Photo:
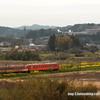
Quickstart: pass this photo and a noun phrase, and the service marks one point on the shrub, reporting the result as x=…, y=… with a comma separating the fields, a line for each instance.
x=24, y=55
x=45, y=89
x=79, y=55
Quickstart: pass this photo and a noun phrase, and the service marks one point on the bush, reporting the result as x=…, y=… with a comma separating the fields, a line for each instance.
x=75, y=50
x=45, y=89
x=24, y=55
x=93, y=49
x=79, y=55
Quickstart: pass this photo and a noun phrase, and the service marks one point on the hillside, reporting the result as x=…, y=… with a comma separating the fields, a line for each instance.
x=79, y=27
x=18, y=32
x=10, y=32
x=37, y=34
x=41, y=35
x=92, y=39
x=11, y=40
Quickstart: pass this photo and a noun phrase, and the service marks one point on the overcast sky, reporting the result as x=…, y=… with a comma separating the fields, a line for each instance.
x=15, y=13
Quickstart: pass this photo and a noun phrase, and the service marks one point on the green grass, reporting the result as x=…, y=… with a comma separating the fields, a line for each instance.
x=10, y=75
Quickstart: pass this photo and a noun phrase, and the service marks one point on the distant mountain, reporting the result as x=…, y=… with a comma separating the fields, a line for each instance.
x=19, y=32
x=36, y=27
x=10, y=32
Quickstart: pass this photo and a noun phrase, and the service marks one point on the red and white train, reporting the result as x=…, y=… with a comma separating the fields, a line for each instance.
x=29, y=67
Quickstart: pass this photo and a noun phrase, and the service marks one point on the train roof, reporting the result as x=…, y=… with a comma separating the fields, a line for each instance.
x=42, y=63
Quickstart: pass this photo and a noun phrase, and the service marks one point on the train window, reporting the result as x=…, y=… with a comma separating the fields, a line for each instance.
x=33, y=66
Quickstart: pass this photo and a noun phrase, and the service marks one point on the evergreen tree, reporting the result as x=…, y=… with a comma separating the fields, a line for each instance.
x=52, y=42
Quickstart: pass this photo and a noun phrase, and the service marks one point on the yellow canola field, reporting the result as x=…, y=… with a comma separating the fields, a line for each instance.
x=81, y=65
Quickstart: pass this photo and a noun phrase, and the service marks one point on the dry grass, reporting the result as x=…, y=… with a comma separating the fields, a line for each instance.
x=45, y=89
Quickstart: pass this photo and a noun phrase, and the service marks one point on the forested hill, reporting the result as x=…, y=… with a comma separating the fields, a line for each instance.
x=11, y=40
x=79, y=27
x=93, y=39
x=40, y=33
x=6, y=31
x=34, y=34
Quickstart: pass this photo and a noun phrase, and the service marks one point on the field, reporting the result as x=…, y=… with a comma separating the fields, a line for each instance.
x=83, y=73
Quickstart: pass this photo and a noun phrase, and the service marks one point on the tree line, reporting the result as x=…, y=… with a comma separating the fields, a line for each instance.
x=34, y=34
x=62, y=43
x=24, y=55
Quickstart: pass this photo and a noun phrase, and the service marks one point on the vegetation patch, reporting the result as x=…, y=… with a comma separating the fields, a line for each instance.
x=45, y=89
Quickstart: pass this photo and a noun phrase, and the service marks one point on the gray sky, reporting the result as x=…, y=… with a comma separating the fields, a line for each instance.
x=15, y=13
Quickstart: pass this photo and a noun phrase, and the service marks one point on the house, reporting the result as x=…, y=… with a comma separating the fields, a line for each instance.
x=5, y=44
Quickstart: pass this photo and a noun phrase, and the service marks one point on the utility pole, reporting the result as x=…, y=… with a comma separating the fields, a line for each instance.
x=24, y=40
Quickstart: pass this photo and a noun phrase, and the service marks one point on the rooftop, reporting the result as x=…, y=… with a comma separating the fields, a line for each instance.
x=41, y=63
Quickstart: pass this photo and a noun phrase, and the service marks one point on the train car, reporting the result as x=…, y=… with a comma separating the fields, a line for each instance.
x=13, y=68
x=29, y=67
x=43, y=66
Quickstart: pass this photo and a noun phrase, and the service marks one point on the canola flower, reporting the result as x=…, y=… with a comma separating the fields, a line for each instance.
x=82, y=65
